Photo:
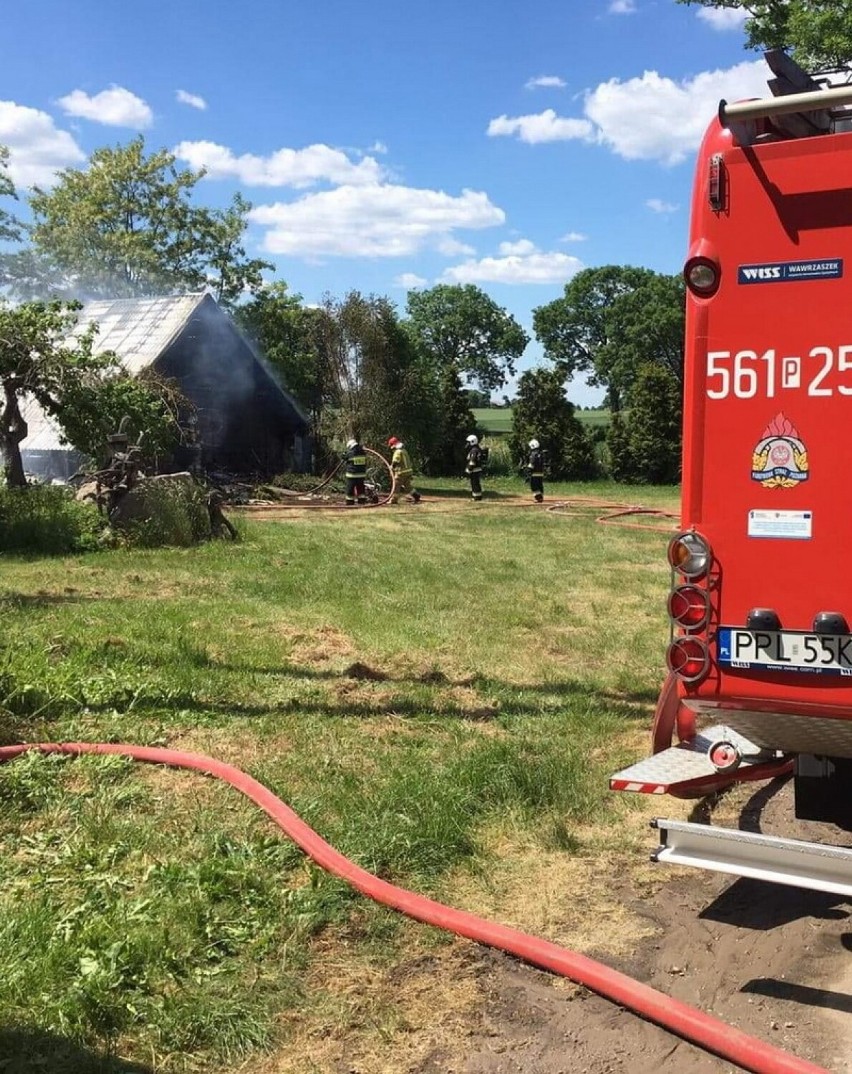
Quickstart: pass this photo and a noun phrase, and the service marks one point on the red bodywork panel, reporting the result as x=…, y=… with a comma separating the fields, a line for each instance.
x=768, y=401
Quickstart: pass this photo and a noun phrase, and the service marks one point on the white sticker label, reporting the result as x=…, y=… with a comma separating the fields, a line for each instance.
x=790, y=524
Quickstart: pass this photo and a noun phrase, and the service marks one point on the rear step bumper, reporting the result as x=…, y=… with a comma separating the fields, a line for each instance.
x=762, y=857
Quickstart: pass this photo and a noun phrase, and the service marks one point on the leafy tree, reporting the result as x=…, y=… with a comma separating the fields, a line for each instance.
x=378, y=382
x=126, y=226
x=608, y=320
x=288, y=335
x=462, y=328
x=154, y=407
x=654, y=427
x=453, y=423
x=618, y=447
x=10, y=229
x=819, y=32
x=478, y=399
x=542, y=411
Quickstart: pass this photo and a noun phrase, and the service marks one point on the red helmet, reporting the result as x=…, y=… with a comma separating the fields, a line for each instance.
x=392, y=442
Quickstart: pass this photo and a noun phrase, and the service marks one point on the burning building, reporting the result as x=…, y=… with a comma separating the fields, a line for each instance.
x=246, y=420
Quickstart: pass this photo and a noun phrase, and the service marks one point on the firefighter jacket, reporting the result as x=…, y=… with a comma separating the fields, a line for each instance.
x=401, y=462
x=536, y=463
x=474, y=460
x=356, y=463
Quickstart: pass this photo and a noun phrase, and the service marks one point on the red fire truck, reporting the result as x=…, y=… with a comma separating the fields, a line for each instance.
x=760, y=656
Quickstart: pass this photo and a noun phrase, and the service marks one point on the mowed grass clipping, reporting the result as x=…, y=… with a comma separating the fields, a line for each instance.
x=429, y=687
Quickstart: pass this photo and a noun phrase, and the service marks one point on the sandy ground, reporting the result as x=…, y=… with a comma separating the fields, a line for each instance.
x=774, y=961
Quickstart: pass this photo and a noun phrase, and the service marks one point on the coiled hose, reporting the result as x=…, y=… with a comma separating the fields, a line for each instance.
x=688, y=1022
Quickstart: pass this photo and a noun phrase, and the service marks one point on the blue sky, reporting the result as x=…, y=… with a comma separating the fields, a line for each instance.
x=390, y=145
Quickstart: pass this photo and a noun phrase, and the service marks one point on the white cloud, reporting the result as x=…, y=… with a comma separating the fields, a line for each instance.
x=451, y=247
x=546, y=82
x=114, y=107
x=647, y=118
x=374, y=220
x=574, y=236
x=521, y=248
x=37, y=149
x=723, y=18
x=286, y=167
x=657, y=205
x=544, y=127
x=622, y=7
x=192, y=99
x=533, y=267
x=409, y=280
x=378, y=147
x=656, y=118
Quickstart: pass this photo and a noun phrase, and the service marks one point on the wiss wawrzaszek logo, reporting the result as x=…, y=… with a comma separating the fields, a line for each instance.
x=780, y=459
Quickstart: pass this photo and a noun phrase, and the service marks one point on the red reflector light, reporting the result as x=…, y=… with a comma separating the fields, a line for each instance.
x=702, y=276
x=689, y=607
x=688, y=658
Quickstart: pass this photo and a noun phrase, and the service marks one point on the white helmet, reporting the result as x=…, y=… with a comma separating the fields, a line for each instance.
x=472, y=439
x=351, y=443
x=534, y=444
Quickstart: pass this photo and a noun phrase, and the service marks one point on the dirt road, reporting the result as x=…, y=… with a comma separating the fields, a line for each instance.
x=773, y=961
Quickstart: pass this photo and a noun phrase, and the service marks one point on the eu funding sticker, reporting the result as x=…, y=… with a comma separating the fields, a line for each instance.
x=787, y=271
x=794, y=525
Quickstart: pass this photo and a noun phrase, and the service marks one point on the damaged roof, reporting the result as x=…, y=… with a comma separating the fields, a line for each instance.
x=138, y=330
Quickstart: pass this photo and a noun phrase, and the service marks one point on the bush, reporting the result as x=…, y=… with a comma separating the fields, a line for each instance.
x=164, y=511
x=500, y=462
x=47, y=520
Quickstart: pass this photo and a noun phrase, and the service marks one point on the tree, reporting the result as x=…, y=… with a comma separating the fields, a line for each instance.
x=378, y=381
x=620, y=465
x=126, y=226
x=10, y=228
x=287, y=335
x=819, y=32
x=40, y=358
x=608, y=320
x=654, y=427
x=542, y=411
x=462, y=328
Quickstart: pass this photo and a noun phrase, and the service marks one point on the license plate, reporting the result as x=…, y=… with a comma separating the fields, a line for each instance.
x=786, y=650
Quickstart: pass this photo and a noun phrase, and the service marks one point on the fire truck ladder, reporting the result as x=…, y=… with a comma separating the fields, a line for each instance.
x=763, y=857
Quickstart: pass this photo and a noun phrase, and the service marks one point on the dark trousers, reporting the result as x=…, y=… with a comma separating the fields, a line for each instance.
x=355, y=488
x=476, y=485
x=537, y=487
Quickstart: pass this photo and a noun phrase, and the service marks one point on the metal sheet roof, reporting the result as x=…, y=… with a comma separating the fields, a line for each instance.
x=137, y=329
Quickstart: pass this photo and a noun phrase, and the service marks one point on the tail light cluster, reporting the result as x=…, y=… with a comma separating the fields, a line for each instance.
x=691, y=558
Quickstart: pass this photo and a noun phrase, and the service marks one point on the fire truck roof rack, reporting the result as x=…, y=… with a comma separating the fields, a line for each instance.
x=790, y=104
x=815, y=866
x=801, y=106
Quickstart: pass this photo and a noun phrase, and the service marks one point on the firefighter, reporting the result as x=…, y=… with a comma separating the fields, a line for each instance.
x=535, y=469
x=356, y=473
x=403, y=472
x=473, y=467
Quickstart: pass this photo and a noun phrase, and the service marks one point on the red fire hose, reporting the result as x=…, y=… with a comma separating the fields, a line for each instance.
x=687, y=1022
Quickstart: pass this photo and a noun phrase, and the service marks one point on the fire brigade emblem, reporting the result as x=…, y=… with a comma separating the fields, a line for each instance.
x=780, y=459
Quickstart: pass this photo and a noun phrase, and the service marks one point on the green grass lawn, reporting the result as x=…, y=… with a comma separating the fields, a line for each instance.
x=441, y=691
x=497, y=421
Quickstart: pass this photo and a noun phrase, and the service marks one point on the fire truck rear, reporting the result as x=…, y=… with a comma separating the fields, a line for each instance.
x=760, y=656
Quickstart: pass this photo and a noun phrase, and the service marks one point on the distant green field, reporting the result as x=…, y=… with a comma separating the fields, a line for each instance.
x=498, y=420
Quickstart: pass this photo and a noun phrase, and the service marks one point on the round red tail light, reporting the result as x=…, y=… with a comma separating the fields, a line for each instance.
x=688, y=658
x=702, y=276
x=689, y=607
